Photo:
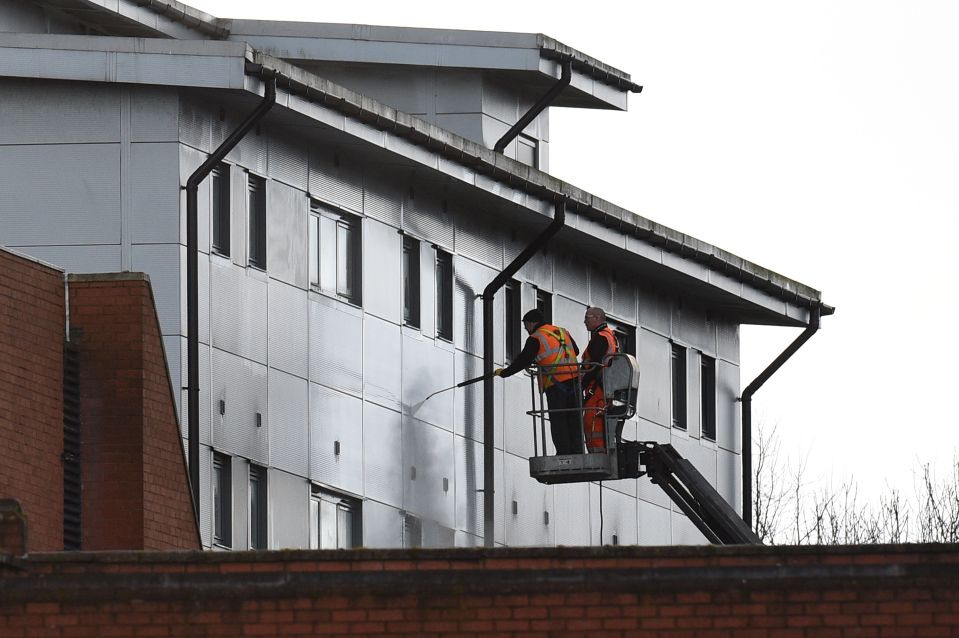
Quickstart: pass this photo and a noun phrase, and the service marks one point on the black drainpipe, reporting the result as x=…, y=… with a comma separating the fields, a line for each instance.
x=537, y=108
x=747, y=399
x=559, y=218
x=192, y=306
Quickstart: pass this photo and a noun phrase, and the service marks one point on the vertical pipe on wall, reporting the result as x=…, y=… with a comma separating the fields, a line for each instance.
x=747, y=399
x=192, y=284
x=559, y=218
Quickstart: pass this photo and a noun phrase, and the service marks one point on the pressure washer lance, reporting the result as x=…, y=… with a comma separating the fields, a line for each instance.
x=461, y=384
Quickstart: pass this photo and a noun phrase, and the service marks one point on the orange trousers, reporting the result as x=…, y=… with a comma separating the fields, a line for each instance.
x=594, y=421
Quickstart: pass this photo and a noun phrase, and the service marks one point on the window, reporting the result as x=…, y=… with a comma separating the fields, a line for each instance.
x=444, y=295
x=707, y=390
x=221, y=209
x=625, y=336
x=527, y=150
x=514, y=341
x=411, y=282
x=335, y=520
x=679, y=386
x=258, y=507
x=335, y=252
x=222, y=500
x=544, y=303
x=257, y=189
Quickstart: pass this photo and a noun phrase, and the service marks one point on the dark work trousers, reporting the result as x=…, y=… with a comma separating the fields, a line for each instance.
x=566, y=427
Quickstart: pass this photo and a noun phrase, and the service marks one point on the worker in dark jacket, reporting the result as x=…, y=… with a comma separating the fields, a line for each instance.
x=553, y=349
x=602, y=342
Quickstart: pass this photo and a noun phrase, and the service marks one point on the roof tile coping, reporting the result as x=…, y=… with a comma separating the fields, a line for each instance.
x=530, y=179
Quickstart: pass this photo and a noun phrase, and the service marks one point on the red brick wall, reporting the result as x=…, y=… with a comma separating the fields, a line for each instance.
x=135, y=488
x=31, y=394
x=681, y=592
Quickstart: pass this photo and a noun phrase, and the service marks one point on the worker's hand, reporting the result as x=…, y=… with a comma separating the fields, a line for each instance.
x=498, y=372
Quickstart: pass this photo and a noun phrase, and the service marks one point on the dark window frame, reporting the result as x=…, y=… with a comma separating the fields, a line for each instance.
x=222, y=486
x=347, y=509
x=411, y=281
x=444, y=295
x=625, y=335
x=544, y=303
x=259, y=504
x=707, y=387
x=512, y=302
x=341, y=273
x=678, y=388
x=256, y=188
x=220, y=209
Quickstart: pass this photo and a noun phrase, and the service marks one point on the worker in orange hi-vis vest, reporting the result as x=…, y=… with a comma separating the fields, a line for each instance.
x=602, y=342
x=554, y=348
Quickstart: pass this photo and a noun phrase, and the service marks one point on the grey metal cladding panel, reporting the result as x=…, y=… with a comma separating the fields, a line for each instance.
x=624, y=298
x=381, y=270
x=383, y=199
x=728, y=410
x=340, y=185
x=382, y=526
x=382, y=374
x=690, y=325
x=727, y=341
x=190, y=160
x=529, y=526
x=288, y=319
x=154, y=114
x=182, y=394
x=289, y=511
x=693, y=398
x=239, y=311
x=437, y=536
x=653, y=524
x=195, y=125
x=429, y=450
x=336, y=346
x=289, y=162
x=462, y=539
x=155, y=215
x=58, y=113
x=88, y=259
x=469, y=280
x=653, y=353
x=286, y=234
x=684, y=532
x=569, y=314
x=600, y=288
x=426, y=369
x=252, y=152
x=288, y=423
x=469, y=401
x=570, y=275
x=162, y=263
x=424, y=216
x=479, y=238
x=538, y=270
x=206, y=495
x=336, y=417
x=469, y=482
x=518, y=426
x=59, y=191
x=427, y=291
x=240, y=476
x=655, y=311
x=384, y=470
x=702, y=456
x=571, y=513
x=239, y=214
x=729, y=476
x=242, y=385
x=618, y=514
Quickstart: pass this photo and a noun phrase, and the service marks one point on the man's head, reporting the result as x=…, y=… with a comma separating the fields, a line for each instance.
x=532, y=319
x=594, y=318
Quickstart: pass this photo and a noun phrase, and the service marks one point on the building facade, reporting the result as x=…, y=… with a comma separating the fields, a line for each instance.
x=344, y=245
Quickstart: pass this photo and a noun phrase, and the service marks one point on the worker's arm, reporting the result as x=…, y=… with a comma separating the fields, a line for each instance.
x=596, y=350
x=525, y=358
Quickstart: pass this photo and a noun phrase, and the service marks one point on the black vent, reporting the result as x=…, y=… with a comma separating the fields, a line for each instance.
x=71, y=448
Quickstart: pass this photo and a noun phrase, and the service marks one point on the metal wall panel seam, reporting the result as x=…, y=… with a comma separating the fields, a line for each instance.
x=126, y=214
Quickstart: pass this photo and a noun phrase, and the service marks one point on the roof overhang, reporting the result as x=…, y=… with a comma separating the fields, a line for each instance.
x=744, y=291
x=536, y=58
x=139, y=18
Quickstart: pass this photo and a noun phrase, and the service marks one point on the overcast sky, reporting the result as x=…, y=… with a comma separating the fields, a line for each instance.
x=819, y=139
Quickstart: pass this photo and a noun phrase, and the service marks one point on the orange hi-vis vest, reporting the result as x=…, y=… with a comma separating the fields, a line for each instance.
x=611, y=346
x=555, y=351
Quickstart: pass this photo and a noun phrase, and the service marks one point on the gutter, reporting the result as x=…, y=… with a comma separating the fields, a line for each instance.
x=192, y=273
x=747, y=400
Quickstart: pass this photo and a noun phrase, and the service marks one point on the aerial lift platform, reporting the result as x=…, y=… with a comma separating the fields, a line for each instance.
x=676, y=476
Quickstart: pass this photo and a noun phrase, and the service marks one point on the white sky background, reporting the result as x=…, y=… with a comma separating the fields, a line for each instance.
x=819, y=139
